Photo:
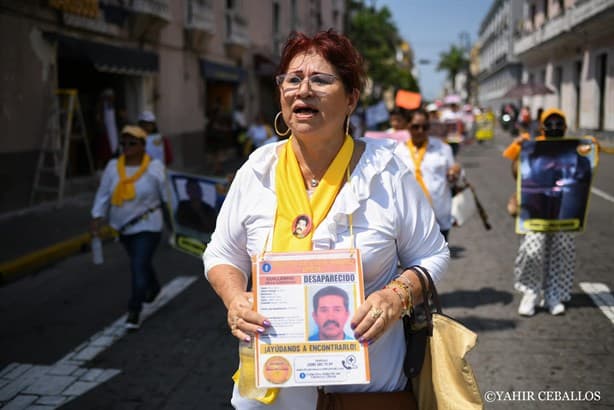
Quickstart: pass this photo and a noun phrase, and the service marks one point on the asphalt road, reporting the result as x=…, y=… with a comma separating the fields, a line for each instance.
x=183, y=356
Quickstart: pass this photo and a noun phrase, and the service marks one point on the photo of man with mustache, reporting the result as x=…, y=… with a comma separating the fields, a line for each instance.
x=330, y=313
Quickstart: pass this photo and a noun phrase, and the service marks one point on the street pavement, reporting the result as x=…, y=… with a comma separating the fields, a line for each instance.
x=183, y=356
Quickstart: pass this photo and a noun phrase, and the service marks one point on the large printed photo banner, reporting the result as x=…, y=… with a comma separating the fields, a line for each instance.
x=195, y=202
x=554, y=183
x=310, y=298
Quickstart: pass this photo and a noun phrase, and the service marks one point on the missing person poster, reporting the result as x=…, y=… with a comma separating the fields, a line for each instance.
x=195, y=202
x=554, y=183
x=309, y=298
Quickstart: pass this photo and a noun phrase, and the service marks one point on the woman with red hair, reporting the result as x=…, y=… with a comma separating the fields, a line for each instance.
x=354, y=193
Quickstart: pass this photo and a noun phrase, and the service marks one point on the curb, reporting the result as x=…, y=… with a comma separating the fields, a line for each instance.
x=28, y=263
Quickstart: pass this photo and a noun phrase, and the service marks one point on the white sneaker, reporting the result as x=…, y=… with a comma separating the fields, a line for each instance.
x=557, y=309
x=527, y=304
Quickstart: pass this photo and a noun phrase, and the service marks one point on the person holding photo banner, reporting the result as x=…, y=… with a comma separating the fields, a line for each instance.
x=545, y=263
x=354, y=193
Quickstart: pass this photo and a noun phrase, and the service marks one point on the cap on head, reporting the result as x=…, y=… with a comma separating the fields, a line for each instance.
x=147, y=116
x=431, y=107
x=552, y=111
x=134, y=131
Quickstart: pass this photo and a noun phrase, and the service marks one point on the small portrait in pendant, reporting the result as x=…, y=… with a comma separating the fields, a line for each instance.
x=301, y=226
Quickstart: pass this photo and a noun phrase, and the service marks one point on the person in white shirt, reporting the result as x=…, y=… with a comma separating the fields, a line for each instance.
x=260, y=133
x=373, y=203
x=157, y=147
x=433, y=165
x=132, y=195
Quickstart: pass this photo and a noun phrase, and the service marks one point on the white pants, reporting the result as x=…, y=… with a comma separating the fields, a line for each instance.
x=546, y=262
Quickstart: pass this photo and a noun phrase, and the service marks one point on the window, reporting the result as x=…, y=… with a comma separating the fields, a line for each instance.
x=578, y=87
x=230, y=4
x=275, y=18
x=561, y=7
x=602, y=69
x=546, y=13
x=558, y=81
x=532, y=14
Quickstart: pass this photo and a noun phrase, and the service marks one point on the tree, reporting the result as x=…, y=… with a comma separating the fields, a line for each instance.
x=453, y=61
x=376, y=37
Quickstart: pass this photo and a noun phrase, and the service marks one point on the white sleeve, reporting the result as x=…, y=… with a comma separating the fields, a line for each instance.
x=419, y=240
x=104, y=192
x=228, y=245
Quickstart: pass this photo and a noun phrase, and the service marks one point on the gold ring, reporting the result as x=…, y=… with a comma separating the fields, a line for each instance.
x=376, y=313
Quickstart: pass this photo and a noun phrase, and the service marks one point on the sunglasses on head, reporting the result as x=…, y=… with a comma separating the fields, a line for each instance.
x=416, y=127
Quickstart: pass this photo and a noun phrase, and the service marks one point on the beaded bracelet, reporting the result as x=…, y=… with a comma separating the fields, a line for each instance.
x=396, y=286
x=410, y=288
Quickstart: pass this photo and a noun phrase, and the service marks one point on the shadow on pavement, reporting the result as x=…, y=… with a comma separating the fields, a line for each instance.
x=482, y=324
x=456, y=252
x=474, y=298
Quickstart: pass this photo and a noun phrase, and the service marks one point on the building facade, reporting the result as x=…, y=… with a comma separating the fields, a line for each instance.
x=191, y=62
x=569, y=46
x=499, y=69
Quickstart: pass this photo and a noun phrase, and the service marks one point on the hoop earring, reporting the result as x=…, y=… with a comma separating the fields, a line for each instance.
x=277, y=130
x=347, y=125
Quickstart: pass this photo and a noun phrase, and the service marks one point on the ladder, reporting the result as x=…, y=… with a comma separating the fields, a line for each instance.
x=65, y=124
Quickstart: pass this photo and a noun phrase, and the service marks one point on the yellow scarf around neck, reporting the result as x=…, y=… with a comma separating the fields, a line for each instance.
x=292, y=200
x=125, y=189
x=417, y=156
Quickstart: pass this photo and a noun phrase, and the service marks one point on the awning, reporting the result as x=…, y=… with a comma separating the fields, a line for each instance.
x=108, y=58
x=221, y=72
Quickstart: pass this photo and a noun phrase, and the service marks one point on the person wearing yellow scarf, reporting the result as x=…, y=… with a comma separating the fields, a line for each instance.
x=293, y=187
x=133, y=205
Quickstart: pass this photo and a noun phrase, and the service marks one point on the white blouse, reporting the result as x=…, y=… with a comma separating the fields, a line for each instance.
x=393, y=225
x=435, y=164
x=150, y=190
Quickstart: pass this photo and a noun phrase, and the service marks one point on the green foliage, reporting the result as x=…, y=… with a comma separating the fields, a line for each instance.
x=376, y=36
x=453, y=61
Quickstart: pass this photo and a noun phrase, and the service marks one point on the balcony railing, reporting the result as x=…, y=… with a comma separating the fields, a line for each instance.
x=236, y=31
x=158, y=8
x=199, y=16
x=581, y=12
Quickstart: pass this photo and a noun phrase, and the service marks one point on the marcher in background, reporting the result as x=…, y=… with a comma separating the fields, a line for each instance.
x=455, y=128
x=343, y=185
x=259, y=133
x=107, y=122
x=544, y=266
x=436, y=127
x=524, y=119
x=433, y=165
x=131, y=193
x=398, y=120
x=157, y=147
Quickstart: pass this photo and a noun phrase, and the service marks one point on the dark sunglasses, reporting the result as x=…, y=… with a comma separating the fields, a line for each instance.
x=129, y=143
x=554, y=124
x=416, y=127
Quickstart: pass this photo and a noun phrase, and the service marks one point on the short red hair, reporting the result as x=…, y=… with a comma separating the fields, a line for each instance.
x=336, y=48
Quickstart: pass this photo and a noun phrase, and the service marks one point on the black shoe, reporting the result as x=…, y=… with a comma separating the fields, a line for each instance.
x=132, y=322
x=151, y=295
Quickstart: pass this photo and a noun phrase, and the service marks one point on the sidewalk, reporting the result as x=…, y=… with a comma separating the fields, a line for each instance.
x=40, y=235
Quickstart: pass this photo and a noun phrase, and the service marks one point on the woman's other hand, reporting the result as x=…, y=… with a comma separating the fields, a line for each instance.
x=242, y=319
x=380, y=310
